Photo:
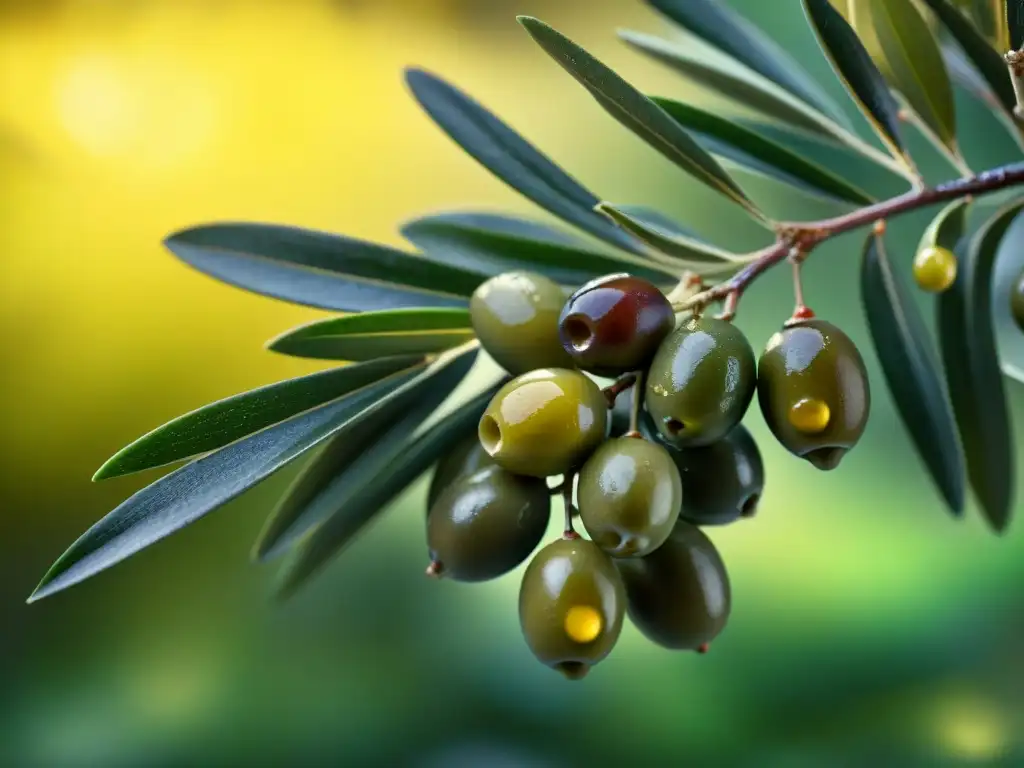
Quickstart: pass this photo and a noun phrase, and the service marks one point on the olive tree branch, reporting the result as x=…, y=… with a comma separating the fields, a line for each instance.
x=803, y=237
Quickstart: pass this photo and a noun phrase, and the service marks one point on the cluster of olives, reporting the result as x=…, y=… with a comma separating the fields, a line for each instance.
x=648, y=459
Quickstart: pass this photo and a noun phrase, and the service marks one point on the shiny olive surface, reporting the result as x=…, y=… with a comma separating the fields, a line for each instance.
x=515, y=316
x=722, y=482
x=465, y=459
x=678, y=596
x=614, y=324
x=934, y=269
x=486, y=524
x=571, y=606
x=544, y=423
x=1017, y=302
x=629, y=496
x=813, y=391
x=701, y=382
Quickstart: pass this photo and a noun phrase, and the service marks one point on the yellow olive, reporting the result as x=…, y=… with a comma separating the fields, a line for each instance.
x=934, y=269
x=543, y=423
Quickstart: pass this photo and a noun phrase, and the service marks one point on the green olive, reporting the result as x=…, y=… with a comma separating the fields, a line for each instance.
x=486, y=524
x=701, y=382
x=813, y=390
x=679, y=595
x=1017, y=302
x=629, y=496
x=464, y=459
x=545, y=422
x=722, y=482
x=571, y=606
x=515, y=317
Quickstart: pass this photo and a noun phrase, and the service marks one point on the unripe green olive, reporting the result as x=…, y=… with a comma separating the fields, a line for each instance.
x=934, y=269
x=545, y=422
x=515, y=317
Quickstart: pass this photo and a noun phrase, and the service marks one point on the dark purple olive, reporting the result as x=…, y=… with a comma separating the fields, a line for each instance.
x=614, y=324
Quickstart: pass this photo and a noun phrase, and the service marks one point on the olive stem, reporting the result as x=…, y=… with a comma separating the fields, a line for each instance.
x=805, y=236
x=623, y=383
x=636, y=405
x=798, y=286
x=570, y=532
x=1015, y=65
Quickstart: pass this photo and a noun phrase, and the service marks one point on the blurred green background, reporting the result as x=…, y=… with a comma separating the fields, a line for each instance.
x=867, y=625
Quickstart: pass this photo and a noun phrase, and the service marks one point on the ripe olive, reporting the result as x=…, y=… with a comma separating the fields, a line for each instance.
x=614, y=324
x=515, y=317
x=571, y=606
x=679, y=595
x=464, y=459
x=629, y=496
x=486, y=524
x=934, y=269
x=722, y=482
x=813, y=390
x=545, y=422
x=701, y=382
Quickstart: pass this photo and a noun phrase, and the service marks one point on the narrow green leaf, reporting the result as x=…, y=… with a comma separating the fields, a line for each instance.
x=973, y=372
x=732, y=34
x=371, y=335
x=1014, y=12
x=320, y=270
x=510, y=157
x=748, y=148
x=1008, y=270
x=665, y=240
x=947, y=228
x=492, y=244
x=909, y=56
x=987, y=60
x=737, y=83
x=636, y=112
x=348, y=486
x=912, y=372
x=859, y=74
x=218, y=424
x=189, y=493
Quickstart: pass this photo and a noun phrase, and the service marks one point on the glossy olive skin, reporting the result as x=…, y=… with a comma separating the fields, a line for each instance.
x=568, y=574
x=465, y=459
x=619, y=415
x=515, y=316
x=813, y=361
x=1017, y=302
x=678, y=596
x=722, y=482
x=615, y=324
x=544, y=423
x=701, y=382
x=486, y=524
x=629, y=496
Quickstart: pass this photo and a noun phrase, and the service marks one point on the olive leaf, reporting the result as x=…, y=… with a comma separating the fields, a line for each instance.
x=492, y=244
x=680, y=246
x=912, y=372
x=636, y=112
x=746, y=147
x=973, y=372
x=737, y=83
x=371, y=335
x=191, y=492
x=732, y=34
x=1009, y=269
x=344, y=506
x=858, y=73
x=225, y=421
x=1013, y=11
x=318, y=269
x=908, y=54
x=987, y=60
x=510, y=157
